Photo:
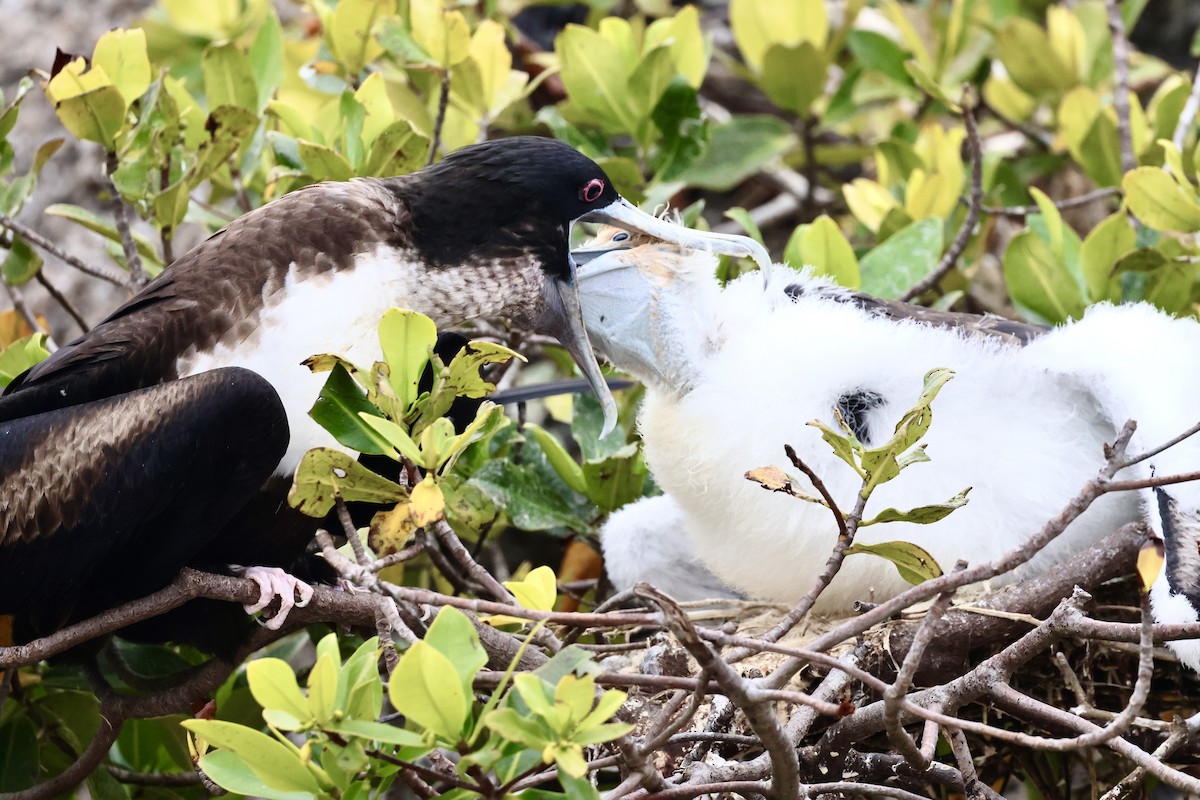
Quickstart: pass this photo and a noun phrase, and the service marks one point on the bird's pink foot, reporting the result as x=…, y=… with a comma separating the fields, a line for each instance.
x=274, y=582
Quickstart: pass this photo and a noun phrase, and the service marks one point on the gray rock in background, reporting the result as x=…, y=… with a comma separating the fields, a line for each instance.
x=32, y=30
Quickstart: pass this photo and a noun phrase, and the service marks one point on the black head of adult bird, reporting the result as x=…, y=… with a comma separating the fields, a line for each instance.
x=166, y=435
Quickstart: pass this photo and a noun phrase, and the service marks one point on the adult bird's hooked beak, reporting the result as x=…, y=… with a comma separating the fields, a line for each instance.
x=565, y=318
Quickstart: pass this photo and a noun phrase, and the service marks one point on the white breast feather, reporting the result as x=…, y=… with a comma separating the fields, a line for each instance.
x=337, y=313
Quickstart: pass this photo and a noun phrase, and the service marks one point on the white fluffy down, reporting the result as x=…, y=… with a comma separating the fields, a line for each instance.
x=646, y=541
x=1024, y=428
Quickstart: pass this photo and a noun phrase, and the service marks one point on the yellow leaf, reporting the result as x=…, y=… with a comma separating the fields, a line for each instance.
x=490, y=53
x=1150, y=563
x=758, y=24
x=122, y=55
x=921, y=198
x=75, y=79
x=391, y=530
x=373, y=96
x=350, y=38
x=443, y=35
x=689, y=48
x=869, y=202
x=1067, y=39
x=537, y=591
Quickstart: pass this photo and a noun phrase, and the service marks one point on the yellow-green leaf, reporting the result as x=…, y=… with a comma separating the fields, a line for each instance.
x=426, y=688
x=1031, y=62
x=1160, y=202
x=407, y=338
x=596, y=78
x=278, y=765
x=443, y=35
x=822, y=246
x=689, y=48
x=1105, y=243
x=914, y=563
x=323, y=474
x=122, y=55
x=350, y=38
x=274, y=686
x=228, y=78
x=1040, y=281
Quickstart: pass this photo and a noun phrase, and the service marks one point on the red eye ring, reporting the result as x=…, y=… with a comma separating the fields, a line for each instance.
x=591, y=190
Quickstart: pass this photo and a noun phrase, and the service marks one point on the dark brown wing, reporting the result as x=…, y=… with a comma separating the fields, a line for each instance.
x=215, y=287
x=103, y=502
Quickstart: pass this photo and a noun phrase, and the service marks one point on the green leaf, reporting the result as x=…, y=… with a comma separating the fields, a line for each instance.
x=20, y=356
x=921, y=515
x=360, y=690
x=228, y=77
x=276, y=764
x=844, y=445
x=682, y=34
x=1040, y=282
x=407, y=338
x=874, y=51
x=564, y=464
x=930, y=86
x=531, y=493
x=907, y=256
x=1104, y=245
x=377, y=732
x=274, y=686
x=596, y=77
x=914, y=564
x=646, y=86
x=18, y=753
x=509, y=724
x=453, y=635
x=324, y=473
x=682, y=127
x=822, y=246
x=266, y=59
x=1031, y=62
x=1159, y=201
x=884, y=463
x=426, y=688
x=96, y=115
x=322, y=689
x=781, y=65
x=230, y=772
x=21, y=263
x=324, y=163
x=737, y=149
x=337, y=410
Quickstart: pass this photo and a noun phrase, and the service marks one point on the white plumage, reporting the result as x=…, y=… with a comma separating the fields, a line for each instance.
x=735, y=373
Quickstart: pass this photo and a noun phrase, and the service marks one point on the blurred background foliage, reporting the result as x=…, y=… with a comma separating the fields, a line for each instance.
x=832, y=131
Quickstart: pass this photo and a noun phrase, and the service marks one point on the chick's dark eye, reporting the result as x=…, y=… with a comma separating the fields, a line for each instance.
x=591, y=190
x=620, y=237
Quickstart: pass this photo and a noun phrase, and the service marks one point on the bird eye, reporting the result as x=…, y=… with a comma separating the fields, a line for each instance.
x=591, y=190
x=620, y=237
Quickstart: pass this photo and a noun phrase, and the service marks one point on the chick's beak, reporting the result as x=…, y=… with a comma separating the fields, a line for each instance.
x=562, y=318
x=625, y=215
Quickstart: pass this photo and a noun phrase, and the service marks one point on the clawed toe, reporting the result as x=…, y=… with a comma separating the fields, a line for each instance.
x=274, y=582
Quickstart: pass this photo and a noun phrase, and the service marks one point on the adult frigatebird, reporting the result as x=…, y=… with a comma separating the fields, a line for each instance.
x=734, y=373
x=166, y=436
